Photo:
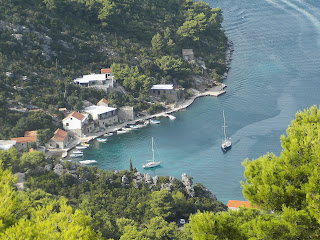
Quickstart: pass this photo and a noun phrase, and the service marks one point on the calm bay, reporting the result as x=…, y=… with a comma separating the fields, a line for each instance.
x=274, y=73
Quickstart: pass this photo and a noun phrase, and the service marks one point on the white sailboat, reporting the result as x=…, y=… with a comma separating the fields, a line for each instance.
x=151, y=163
x=226, y=143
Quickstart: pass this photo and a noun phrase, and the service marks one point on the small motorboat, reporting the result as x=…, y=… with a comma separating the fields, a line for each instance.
x=76, y=154
x=108, y=134
x=134, y=127
x=81, y=147
x=85, y=144
x=171, y=117
x=154, y=121
x=87, y=161
x=101, y=139
x=121, y=131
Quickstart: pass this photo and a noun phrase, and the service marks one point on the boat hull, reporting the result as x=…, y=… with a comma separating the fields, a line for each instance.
x=151, y=164
x=226, y=147
x=88, y=161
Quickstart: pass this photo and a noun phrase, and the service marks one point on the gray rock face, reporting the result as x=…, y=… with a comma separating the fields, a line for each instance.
x=148, y=178
x=58, y=169
x=124, y=181
x=48, y=167
x=155, y=180
x=171, y=179
x=166, y=186
x=187, y=181
x=139, y=177
x=190, y=191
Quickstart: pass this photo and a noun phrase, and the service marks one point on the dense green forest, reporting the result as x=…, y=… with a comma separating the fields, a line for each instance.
x=90, y=203
x=45, y=44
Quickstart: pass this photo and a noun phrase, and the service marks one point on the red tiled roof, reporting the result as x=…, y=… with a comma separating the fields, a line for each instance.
x=30, y=133
x=25, y=139
x=76, y=115
x=237, y=204
x=59, y=135
x=103, y=100
x=106, y=70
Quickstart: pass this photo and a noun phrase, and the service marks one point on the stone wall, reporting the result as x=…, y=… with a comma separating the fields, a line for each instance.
x=125, y=114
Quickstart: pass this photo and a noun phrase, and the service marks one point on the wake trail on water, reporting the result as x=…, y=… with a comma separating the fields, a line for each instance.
x=306, y=13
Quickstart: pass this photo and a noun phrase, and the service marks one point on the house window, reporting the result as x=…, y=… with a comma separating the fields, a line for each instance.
x=70, y=118
x=154, y=91
x=164, y=91
x=67, y=124
x=159, y=92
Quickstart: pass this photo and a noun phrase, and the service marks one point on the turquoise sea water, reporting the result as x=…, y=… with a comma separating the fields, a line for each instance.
x=274, y=73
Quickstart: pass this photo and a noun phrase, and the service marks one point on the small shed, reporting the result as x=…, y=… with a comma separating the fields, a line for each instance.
x=187, y=54
x=166, y=91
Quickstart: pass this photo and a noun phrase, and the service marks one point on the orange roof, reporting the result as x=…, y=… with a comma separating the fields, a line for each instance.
x=76, y=115
x=106, y=70
x=30, y=133
x=103, y=100
x=237, y=204
x=59, y=135
x=25, y=139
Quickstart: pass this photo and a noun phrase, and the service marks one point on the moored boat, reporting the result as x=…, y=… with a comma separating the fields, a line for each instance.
x=76, y=154
x=154, y=121
x=226, y=143
x=81, y=147
x=101, y=139
x=171, y=117
x=87, y=161
x=121, y=131
x=152, y=163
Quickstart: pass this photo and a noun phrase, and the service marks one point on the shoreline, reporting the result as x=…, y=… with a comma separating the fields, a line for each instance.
x=214, y=91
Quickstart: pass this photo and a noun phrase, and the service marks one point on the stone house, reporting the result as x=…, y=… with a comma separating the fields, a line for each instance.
x=166, y=92
x=103, y=102
x=60, y=139
x=23, y=143
x=78, y=123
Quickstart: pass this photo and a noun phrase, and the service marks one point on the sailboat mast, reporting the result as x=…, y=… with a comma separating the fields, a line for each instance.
x=152, y=151
x=224, y=127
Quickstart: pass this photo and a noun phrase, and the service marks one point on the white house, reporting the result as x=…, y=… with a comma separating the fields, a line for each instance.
x=7, y=144
x=77, y=123
x=103, y=80
x=102, y=115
